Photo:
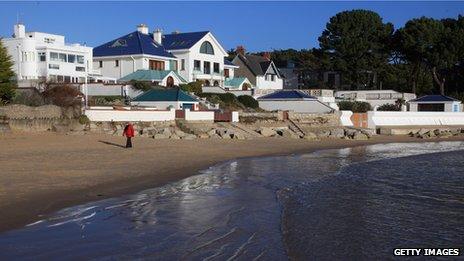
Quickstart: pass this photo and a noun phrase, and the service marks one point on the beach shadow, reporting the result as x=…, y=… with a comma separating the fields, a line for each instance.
x=111, y=143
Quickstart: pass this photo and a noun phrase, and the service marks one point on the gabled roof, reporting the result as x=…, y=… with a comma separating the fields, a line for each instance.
x=234, y=82
x=149, y=75
x=434, y=98
x=164, y=95
x=287, y=95
x=229, y=63
x=131, y=44
x=179, y=41
x=258, y=65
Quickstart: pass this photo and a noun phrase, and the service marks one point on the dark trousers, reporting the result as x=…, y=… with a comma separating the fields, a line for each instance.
x=129, y=142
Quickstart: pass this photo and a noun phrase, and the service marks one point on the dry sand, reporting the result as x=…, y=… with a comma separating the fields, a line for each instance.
x=41, y=173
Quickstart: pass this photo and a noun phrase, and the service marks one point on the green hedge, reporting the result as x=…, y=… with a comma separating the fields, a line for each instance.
x=355, y=106
x=389, y=107
x=248, y=101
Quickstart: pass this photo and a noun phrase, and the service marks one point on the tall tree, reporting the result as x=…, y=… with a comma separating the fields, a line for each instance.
x=357, y=42
x=7, y=82
x=432, y=44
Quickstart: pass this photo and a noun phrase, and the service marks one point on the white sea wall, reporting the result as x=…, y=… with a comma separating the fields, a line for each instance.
x=396, y=118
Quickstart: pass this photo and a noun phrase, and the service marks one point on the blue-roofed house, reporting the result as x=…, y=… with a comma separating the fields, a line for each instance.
x=165, y=99
x=201, y=57
x=435, y=103
x=137, y=50
x=293, y=100
x=193, y=55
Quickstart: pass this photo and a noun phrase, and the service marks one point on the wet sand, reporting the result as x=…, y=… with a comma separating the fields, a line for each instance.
x=42, y=173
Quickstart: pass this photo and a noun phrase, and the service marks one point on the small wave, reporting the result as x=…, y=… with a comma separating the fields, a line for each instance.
x=74, y=220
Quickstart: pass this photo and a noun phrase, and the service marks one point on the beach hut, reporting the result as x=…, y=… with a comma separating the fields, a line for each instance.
x=293, y=100
x=164, y=99
x=439, y=103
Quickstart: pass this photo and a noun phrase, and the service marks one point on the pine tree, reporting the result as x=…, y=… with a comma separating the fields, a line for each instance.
x=7, y=81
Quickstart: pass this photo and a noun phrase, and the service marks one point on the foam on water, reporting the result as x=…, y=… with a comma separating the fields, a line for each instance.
x=256, y=208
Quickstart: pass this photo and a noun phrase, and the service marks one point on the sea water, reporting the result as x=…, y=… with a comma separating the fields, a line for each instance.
x=353, y=203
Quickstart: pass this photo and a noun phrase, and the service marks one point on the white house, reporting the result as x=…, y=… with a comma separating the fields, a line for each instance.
x=435, y=103
x=374, y=97
x=260, y=70
x=200, y=56
x=293, y=100
x=193, y=56
x=46, y=57
x=137, y=50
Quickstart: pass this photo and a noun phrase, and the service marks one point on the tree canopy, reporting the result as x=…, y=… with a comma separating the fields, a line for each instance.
x=424, y=56
x=7, y=81
x=357, y=45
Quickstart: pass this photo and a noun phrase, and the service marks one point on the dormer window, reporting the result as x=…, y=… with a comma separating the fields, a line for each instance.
x=207, y=48
x=119, y=43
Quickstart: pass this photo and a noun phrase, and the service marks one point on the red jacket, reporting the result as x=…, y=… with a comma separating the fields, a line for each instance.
x=128, y=131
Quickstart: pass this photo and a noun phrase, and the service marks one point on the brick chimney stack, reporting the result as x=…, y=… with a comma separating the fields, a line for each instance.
x=267, y=55
x=240, y=50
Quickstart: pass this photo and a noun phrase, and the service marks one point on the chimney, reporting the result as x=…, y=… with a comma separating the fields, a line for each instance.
x=158, y=35
x=19, y=31
x=240, y=50
x=142, y=28
x=267, y=55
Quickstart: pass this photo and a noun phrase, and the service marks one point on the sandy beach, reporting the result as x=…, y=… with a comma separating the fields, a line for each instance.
x=44, y=172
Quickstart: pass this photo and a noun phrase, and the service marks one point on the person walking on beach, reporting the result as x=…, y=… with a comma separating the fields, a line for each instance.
x=129, y=133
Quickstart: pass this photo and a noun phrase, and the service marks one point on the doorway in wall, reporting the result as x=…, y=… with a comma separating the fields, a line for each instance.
x=170, y=82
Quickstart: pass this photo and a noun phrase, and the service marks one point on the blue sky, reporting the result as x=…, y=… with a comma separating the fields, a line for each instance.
x=256, y=25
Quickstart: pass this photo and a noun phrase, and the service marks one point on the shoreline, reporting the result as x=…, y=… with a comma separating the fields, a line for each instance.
x=46, y=172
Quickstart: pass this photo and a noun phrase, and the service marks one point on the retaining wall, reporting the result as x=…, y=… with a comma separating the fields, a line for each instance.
x=378, y=119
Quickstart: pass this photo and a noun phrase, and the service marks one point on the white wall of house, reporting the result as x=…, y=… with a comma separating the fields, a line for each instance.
x=454, y=106
x=46, y=56
x=231, y=70
x=265, y=83
x=126, y=64
x=309, y=106
x=192, y=54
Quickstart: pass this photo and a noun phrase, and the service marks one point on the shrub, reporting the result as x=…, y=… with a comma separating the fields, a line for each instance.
x=246, y=86
x=28, y=98
x=227, y=97
x=248, y=101
x=389, y=107
x=195, y=87
x=355, y=106
x=63, y=96
x=83, y=119
x=140, y=85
